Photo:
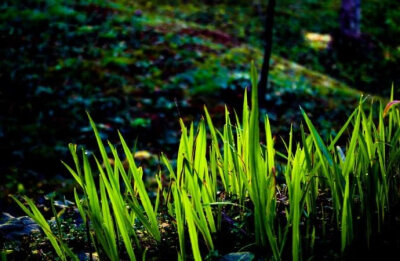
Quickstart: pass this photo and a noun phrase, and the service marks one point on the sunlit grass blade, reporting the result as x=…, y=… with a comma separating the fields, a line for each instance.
x=191, y=227
x=388, y=106
x=33, y=212
x=144, y=197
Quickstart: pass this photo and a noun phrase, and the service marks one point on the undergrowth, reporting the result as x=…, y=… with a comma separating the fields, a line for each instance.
x=286, y=203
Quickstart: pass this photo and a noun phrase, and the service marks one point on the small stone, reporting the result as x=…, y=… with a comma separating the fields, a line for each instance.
x=12, y=228
x=242, y=256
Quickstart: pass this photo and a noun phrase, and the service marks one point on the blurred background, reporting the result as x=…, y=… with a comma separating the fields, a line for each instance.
x=139, y=66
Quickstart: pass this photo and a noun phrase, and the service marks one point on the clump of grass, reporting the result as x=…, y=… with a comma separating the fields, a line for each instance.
x=361, y=176
x=113, y=211
x=59, y=246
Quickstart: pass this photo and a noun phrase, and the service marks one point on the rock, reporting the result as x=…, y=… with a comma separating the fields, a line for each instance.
x=238, y=256
x=12, y=228
x=63, y=203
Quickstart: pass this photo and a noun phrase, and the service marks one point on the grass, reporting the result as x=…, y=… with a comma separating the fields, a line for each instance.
x=357, y=170
x=119, y=58
x=61, y=249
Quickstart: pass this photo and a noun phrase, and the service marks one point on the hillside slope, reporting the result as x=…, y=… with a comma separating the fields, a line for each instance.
x=133, y=70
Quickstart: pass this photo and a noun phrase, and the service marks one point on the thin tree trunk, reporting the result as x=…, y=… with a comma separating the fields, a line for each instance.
x=269, y=23
x=350, y=18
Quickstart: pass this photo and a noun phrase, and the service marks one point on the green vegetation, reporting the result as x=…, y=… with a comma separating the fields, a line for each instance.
x=355, y=172
x=137, y=67
x=372, y=62
x=183, y=163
